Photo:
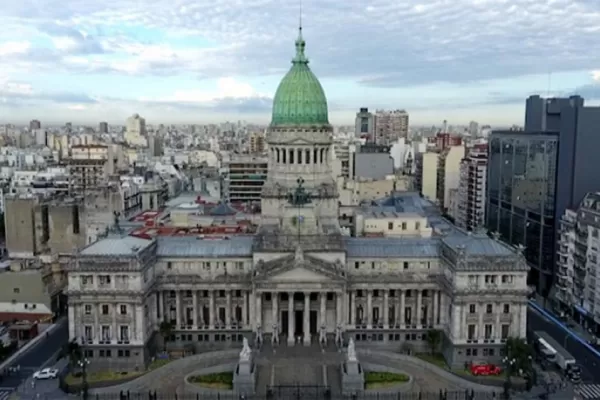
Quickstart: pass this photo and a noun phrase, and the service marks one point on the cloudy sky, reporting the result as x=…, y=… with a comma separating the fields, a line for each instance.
x=195, y=61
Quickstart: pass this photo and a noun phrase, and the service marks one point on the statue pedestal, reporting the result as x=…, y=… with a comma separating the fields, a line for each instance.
x=353, y=377
x=244, y=378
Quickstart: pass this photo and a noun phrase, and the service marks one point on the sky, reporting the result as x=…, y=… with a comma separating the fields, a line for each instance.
x=200, y=61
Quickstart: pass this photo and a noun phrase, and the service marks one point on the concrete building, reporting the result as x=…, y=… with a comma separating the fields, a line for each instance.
x=390, y=126
x=35, y=124
x=364, y=125
x=135, y=131
x=90, y=166
x=298, y=278
x=448, y=173
x=576, y=286
x=103, y=127
x=426, y=174
x=472, y=189
x=258, y=144
x=244, y=177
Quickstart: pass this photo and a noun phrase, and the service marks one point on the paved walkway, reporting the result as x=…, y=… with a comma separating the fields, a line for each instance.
x=573, y=325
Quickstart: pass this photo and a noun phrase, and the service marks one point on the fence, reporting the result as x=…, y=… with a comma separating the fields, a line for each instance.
x=301, y=395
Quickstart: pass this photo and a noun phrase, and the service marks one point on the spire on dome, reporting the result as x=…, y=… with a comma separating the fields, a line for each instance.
x=300, y=43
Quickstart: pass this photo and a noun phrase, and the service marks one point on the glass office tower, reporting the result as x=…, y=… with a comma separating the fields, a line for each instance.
x=521, y=196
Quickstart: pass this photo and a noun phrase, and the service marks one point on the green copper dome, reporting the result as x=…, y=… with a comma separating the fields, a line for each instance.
x=300, y=99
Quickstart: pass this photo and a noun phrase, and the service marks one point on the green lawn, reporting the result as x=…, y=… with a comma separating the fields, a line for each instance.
x=381, y=380
x=220, y=380
x=108, y=376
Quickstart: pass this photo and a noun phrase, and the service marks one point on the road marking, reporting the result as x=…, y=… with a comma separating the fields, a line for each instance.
x=588, y=391
x=4, y=394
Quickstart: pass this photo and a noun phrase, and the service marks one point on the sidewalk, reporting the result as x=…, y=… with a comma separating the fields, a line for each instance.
x=573, y=325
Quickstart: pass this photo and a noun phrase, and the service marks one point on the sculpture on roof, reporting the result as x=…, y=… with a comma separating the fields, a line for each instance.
x=299, y=197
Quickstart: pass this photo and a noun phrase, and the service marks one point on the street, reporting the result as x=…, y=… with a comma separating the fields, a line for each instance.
x=589, y=362
x=36, y=356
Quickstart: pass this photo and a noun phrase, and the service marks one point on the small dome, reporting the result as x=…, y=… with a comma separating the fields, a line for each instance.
x=300, y=99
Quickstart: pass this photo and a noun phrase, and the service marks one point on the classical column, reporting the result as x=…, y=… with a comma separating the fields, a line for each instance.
x=178, y=308
x=397, y=320
x=290, y=332
x=434, y=314
x=323, y=310
x=259, y=310
x=338, y=308
x=386, y=309
x=228, y=309
x=161, y=303
x=369, y=310
x=497, y=327
x=480, y=330
x=211, y=309
x=245, y=309
x=353, y=308
x=252, y=309
x=402, y=308
x=275, y=310
x=307, y=318
x=463, y=316
x=345, y=308
x=419, y=307
x=115, y=335
x=523, y=322
x=195, y=306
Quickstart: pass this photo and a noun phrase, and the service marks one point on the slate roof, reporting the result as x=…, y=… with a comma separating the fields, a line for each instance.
x=236, y=246
x=478, y=245
x=116, y=246
x=223, y=209
x=363, y=247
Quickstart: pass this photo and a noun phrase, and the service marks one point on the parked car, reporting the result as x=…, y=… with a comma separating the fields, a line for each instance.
x=46, y=373
x=485, y=369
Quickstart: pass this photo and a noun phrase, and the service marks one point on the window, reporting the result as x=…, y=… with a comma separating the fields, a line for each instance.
x=124, y=333
x=470, y=332
x=104, y=309
x=505, y=331
x=390, y=225
x=506, y=309
x=87, y=309
x=87, y=280
x=417, y=225
x=488, y=331
x=104, y=279
x=105, y=329
x=404, y=226
x=405, y=264
x=507, y=279
x=472, y=308
x=123, y=309
x=87, y=333
x=489, y=308
x=16, y=290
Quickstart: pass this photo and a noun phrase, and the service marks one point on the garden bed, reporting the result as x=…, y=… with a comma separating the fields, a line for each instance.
x=384, y=380
x=219, y=380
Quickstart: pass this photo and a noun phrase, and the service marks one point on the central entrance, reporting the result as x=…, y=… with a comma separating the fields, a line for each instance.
x=298, y=322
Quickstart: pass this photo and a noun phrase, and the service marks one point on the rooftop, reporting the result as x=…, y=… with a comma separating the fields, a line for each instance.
x=362, y=247
x=239, y=246
x=479, y=245
x=116, y=246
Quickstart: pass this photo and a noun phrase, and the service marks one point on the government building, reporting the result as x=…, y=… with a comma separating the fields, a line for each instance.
x=300, y=280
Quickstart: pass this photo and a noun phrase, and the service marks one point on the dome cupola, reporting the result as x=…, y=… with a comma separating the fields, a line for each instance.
x=300, y=99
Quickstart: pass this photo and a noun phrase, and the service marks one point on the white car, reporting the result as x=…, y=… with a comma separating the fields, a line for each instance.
x=46, y=373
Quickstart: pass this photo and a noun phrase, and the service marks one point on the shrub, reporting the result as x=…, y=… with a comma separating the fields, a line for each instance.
x=385, y=377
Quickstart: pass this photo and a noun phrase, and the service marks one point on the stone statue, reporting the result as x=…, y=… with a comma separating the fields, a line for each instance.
x=351, y=350
x=338, y=336
x=246, y=351
x=275, y=336
x=323, y=335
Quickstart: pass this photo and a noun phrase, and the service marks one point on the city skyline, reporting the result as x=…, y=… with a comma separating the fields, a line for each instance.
x=197, y=62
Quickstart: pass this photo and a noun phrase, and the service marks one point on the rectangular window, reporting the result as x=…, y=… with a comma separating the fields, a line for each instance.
x=489, y=308
x=472, y=308
x=488, y=331
x=471, y=332
x=506, y=309
x=505, y=331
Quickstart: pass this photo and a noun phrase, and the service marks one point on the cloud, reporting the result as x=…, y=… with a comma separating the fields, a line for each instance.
x=384, y=43
x=23, y=93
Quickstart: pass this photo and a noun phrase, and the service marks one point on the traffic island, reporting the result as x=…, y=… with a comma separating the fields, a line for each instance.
x=382, y=379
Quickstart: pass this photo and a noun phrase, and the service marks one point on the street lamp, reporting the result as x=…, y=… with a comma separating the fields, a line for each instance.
x=510, y=364
x=83, y=363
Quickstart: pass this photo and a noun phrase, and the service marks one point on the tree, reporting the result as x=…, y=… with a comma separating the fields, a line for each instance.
x=519, y=356
x=166, y=331
x=434, y=339
x=74, y=352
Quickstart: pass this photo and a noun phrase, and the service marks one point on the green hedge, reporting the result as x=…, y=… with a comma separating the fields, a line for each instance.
x=385, y=377
x=225, y=378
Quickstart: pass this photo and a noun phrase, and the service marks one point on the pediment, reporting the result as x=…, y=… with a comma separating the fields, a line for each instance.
x=299, y=141
x=298, y=268
x=299, y=274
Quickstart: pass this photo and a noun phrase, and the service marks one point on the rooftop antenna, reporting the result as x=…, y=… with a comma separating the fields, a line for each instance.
x=300, y=16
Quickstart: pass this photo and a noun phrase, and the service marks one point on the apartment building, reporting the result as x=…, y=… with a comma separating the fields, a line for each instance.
x=448, y=174
x=426, y=181
x=90, y=166
x=390, y=126
x=258, y=144
x=470, y=202
x=244, y=177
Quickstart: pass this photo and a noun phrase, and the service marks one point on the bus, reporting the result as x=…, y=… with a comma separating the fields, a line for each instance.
x=553, y=352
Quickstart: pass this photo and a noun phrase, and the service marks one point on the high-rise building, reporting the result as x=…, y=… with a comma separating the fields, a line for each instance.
x=448, y=174
x=103, y=128
x=472, y=188
x=257, y=143
x=135, y=130
x=364, y=125
x=244, y=178
x=520, y=201
x=576, y=289
x=426, y=166
x=390, y=126
x=35, y=124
